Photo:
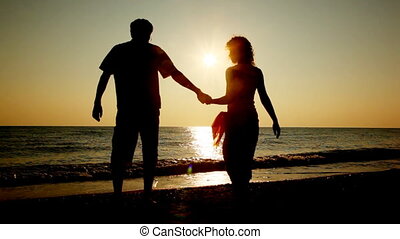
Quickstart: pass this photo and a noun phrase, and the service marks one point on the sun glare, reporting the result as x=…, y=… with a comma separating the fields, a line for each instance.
x=203, y=143
x=209, y=59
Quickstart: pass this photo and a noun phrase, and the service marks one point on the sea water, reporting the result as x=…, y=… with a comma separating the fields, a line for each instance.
x=27, y=146
x=32, y=159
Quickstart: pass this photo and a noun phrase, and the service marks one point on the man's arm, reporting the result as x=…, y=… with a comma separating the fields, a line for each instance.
x=97, y=112
x=185, y=82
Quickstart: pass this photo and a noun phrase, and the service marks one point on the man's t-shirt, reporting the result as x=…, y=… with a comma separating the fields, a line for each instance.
x=135, y=68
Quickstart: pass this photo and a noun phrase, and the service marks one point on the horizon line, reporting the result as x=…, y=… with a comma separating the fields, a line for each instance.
x=172, y=126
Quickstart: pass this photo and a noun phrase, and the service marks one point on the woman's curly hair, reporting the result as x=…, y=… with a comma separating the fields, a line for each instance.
x=244, y=47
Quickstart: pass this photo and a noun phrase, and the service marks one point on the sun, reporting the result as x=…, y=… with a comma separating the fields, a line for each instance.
x=209, y=59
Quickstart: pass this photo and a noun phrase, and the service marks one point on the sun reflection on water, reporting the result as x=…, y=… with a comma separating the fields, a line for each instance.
x=207, y=179
x=202, y=143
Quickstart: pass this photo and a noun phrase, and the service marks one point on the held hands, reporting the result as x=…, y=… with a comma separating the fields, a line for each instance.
x=97, y=112
x=277, y=129
x=204, y=98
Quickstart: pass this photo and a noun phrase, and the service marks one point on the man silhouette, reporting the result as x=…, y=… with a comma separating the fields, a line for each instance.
x=135, y=66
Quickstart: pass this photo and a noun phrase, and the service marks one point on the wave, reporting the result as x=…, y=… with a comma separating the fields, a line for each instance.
x=39, y=174
x=39, y=149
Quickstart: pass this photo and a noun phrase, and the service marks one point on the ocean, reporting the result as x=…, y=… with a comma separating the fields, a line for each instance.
x=34, y=155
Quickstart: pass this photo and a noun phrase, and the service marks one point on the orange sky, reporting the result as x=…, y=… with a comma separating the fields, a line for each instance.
x=326, y=63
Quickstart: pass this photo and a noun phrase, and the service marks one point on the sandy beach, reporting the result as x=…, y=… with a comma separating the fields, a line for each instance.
x=369, y=197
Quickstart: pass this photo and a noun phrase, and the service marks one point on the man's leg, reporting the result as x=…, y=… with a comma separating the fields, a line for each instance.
x=149, y=136
x=123, y=147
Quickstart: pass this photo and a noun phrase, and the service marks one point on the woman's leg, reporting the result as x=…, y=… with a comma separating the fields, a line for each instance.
x=238, y=149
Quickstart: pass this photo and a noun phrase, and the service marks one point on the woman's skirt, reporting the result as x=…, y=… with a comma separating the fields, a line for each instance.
x=241, y=135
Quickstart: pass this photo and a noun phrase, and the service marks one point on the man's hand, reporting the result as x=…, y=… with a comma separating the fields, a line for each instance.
x=97, y=112
x=277, y=129
x=204, y=98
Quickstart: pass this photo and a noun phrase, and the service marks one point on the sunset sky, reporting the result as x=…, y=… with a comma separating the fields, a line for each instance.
x=326, y=63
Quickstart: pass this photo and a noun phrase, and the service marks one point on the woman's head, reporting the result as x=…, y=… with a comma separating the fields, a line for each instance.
x=240, y=50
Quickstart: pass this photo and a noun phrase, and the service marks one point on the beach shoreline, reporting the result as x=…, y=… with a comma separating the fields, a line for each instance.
x=369, y=197
x=41, y=174
x=200, y=179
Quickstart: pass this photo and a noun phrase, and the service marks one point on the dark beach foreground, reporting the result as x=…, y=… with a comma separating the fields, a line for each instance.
x=371, y=197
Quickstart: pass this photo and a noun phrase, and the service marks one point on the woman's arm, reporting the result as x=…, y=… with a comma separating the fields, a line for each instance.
x=227, y=98
x=266, y=102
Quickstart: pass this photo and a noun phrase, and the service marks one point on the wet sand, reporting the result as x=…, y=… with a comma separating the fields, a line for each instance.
x=368, y=197
x=195, y=179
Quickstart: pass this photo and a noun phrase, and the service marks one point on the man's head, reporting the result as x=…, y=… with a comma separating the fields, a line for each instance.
x=141, y=30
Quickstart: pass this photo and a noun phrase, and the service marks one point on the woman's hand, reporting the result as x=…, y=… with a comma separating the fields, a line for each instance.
x=277, y=129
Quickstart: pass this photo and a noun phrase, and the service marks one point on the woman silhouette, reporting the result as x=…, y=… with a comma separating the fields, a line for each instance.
x=241, y=119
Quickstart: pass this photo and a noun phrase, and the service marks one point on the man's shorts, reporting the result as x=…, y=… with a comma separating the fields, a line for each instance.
x=128, y=127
